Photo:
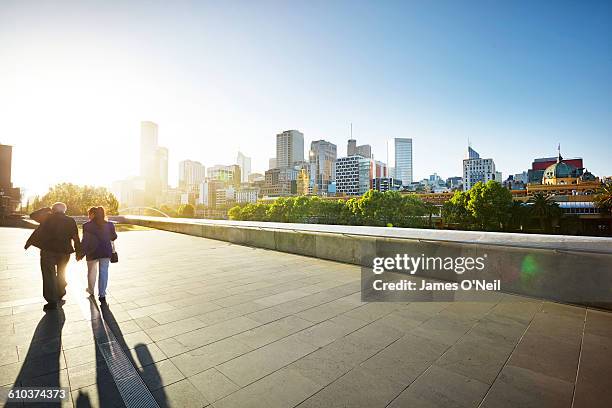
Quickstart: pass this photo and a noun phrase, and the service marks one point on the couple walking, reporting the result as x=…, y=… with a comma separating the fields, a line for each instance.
x=55, y=237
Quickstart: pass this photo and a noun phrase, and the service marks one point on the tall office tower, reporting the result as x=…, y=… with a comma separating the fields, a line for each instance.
x=148, y=149
x=289, y=148
x=351, y=147
x=399, y=159
x=476, y=169
x=191, y=174
x=153, y=163
x=322, y=156
x=365, y=151
x=245, y=166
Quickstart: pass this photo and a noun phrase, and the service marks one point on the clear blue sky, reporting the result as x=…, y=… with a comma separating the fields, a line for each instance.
x=516, y=78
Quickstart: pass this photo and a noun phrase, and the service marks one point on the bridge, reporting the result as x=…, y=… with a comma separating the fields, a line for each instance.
x=268, y=315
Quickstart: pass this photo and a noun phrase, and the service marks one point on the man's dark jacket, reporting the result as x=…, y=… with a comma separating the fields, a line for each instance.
x=55, y=234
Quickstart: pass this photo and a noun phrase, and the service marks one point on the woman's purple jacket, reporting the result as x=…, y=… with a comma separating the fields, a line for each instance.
x=97, y=240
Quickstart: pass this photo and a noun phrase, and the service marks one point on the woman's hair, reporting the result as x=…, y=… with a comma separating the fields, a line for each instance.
x=92, y=211
x=100, y=216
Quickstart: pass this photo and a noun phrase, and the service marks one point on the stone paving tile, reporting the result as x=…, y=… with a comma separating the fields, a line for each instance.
x=180, y=394
x=520, y=387
x=160, y=374
x=359, y=388
x=203, y=358
x=265, y=334
x=213, y=385
x=442, y=388
x=175, y=328
x=283, y=388
x=258, y=363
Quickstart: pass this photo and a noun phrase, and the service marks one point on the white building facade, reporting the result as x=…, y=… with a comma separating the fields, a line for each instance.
x=476, y=169
x=399, y=159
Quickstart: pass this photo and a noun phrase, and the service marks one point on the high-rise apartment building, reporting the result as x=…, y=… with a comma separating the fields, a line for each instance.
x=476, y=169
x=244, y=163
x=322, y=156
x=289, y=148
x=191, y=174
x=399, y=159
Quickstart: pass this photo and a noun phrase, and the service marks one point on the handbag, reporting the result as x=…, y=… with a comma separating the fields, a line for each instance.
x=114, y=257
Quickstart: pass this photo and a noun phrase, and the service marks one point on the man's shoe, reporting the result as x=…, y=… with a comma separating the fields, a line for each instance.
x=102, y=299
x=50, y=306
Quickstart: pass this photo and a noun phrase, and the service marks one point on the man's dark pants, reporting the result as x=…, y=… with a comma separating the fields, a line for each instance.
x=53, y=266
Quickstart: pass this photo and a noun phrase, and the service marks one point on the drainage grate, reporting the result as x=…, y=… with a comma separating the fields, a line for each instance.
x=132, y=389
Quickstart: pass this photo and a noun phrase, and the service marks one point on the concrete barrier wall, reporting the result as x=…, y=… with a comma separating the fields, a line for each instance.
x=561, y=268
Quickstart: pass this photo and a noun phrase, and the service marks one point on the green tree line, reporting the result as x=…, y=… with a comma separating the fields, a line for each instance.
x=373, y=208
x=77, y=198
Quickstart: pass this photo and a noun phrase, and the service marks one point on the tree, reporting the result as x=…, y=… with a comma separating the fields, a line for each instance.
x=186, y=211
x=544, y=209
x=455, y=210
x=603, y=197
x=490, y=205
x=78, y=199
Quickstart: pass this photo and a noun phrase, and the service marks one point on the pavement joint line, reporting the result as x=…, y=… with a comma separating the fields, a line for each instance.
x=586, y=314
x=129, y=383
x=510, y=355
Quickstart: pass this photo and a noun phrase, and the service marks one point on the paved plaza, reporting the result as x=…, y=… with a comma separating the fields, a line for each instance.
x=193, y=322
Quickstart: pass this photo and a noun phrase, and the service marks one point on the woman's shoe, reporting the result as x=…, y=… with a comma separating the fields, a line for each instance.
x=102, y=299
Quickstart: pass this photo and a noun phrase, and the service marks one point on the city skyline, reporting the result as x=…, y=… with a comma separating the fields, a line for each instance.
x=515, y=79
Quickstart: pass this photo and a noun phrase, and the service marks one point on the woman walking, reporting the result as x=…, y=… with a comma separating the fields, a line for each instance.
x=98, y=237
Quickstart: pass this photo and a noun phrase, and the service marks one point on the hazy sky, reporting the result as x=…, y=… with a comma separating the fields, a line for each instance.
x=516, y=78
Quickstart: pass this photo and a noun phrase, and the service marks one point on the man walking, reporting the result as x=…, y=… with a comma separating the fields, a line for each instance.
x=55, y=238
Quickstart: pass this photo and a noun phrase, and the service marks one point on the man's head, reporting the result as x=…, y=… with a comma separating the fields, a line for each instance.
x=59, y=208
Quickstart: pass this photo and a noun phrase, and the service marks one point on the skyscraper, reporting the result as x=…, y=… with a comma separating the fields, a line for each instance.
x=245, y=166
x=153, y=163
x=289, y=148
x=351, y=147
x=148, y=149
x=399, y=159
x=322, y=156
x=364, y=150
x=476, y=169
